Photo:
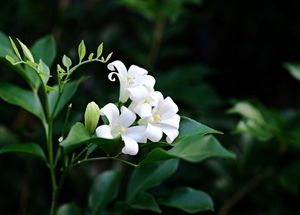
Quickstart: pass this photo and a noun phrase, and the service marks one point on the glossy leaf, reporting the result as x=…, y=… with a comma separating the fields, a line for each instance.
x=79, y=136
x=69, y=90
x=149, y=176
x=81, y=50
x=189, y=200
x=104, y=189
x=68, y=209
x=27, y=148
x=193, y=148
x=190, y=127
x=22, y=98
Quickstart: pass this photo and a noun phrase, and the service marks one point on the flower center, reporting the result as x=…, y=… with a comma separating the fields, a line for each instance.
x=122, y=130
x=157, y=118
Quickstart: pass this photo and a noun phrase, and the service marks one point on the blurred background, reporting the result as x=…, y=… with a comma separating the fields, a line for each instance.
x=223, y=62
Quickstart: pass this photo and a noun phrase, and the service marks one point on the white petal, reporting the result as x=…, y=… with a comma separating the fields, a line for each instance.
x=137, y=93
x=104, y=131
x=156, y=97
x=167, y=108
x=136, y=71
x=173, y=121
x=111, y=112
x=119, y=66
x=131, y=147
x=153, y=133
x=171, y=132
x=148, y=81
x=143, y=110
x=127, y=117
x=138, y=133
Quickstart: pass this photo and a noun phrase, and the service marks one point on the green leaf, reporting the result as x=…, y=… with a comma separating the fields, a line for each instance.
x=68, y=209
x=10, y=59
x=6, y=47
x=67, y=61
x=15, y=48
x=56, y=106
x=149, y=176
x=146, y=201
x=26, y=51
x=194, y=148
x=294, y=70
x=44, y=71
x=108, y=57
x=79, y=136
x=99, y=50
x=104, y=190
x=191, y=127
x=91, y=56
x=45, y=49
x=27, y=148
x=81, y=50
x=21, y=97
x=189, y=200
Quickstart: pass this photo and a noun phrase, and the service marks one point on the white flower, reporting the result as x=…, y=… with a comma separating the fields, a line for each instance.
x=119, y=126
x=163, y=118
x=134, y=83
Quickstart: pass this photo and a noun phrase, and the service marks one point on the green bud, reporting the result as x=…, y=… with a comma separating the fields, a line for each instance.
x=91, y=116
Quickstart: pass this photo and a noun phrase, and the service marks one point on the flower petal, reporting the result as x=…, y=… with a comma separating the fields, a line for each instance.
x=127, y=117
x=173, y=121
x=137, y=71
x=111, y=112
x=104, y=131
x=167, y=108
x=143, y=110
x=153, y=133
x=137, y=93
x=148, y=81
x=171, y=132
x=131, y=146
x=119, y=66
x=138, y=133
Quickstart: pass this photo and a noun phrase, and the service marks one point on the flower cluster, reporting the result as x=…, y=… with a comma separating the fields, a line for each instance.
x=148, y=116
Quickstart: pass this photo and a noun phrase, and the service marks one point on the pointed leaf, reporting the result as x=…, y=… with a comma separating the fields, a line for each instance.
x=108, y=57
x=44, y=71
x=26, y=51
x=27, y=148
x=67, y=61
x=104, y=189
x=99, y=50
x=149, y=176
x=21, y=97
x=189, y=200
x=294, y=70
x=81, y=50
x=193, y=148
x=10, y=59
x=15, y=48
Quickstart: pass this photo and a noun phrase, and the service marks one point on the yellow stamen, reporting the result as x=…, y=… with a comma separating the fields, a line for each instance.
x=157, y=118
x=122, y=130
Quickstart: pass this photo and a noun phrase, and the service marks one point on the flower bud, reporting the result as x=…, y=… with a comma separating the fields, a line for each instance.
x=91, y=117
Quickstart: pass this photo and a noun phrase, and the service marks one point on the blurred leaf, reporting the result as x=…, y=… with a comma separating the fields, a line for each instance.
x=44, y=71
x=21, y=97
x=146, y=201
x=149, y=176
x=194, y=148
x=248, y=111
x=104, y=189
x=99, y=50
x=6, y=136
x=68, y=209
x=15, y=48
x=69, y=90
x=289, y=178
x=81, y=50
x=189, y=200
x=67, y=61
x=27, y=148
x=79, y=136
x=45, y=49
x=294, y=70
